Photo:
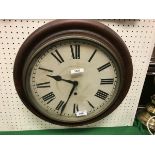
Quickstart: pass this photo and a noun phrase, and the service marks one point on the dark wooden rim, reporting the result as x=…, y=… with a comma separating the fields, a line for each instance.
x=89, y=26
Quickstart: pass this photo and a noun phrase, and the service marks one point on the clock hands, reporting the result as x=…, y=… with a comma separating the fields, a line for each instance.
x=74, y=83
x=59, y=78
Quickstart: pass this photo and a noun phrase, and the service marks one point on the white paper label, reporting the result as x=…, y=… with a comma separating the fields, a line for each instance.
x=81, y=113
x=77, y=71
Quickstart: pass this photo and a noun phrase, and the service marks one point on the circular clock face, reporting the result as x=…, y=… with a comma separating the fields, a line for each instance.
x=73, y=72
x=72, y=80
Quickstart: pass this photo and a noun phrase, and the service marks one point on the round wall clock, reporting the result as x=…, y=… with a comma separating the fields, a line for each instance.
x=73, y=72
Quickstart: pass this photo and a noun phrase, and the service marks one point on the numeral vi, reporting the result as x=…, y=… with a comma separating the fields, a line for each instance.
x=75, y=108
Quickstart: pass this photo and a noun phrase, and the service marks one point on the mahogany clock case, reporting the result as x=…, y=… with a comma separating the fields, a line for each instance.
x=87, y=28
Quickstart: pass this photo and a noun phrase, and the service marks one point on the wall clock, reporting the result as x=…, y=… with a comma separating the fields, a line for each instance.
x=73, y=72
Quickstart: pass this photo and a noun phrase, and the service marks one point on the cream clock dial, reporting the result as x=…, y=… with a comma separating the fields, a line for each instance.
x=92, y=90
x=72, y=76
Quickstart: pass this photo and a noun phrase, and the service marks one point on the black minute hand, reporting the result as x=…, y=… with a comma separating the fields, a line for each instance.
x=75, y=83
x=59, y=78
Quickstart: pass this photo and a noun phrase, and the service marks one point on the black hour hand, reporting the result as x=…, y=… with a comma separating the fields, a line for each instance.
x=59, y=78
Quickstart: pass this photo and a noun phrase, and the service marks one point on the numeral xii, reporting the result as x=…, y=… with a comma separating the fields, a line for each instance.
x=75, y=50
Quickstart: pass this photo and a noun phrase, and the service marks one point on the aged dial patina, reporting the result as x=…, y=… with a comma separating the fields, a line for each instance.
x=72, y=76
x=62, y=95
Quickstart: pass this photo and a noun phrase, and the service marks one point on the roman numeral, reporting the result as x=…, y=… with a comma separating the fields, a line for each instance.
x=101, y=94
x=91, y=105
x=57, y=56
x=60, y=105
x=45, y=69
x=49, y=97
x=92, y=55
x=43, y=85
x=75, y=108
x=104, y=67
x=107, y=81
x=75, y=49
